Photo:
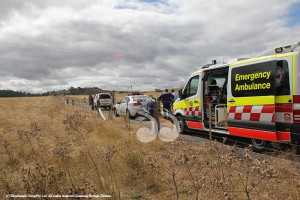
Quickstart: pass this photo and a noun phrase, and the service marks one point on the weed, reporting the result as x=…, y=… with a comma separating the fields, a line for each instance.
x=108, y=155
x=73, y=125
x=136, y=196
x=135, y=162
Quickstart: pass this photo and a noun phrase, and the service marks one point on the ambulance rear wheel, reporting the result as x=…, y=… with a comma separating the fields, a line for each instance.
x=259, y=145
x=182, y=125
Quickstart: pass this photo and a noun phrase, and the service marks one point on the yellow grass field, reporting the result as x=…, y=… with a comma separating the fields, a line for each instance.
x=48, y=147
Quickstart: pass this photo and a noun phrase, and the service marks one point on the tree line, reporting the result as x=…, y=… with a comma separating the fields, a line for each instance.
x=70, y=91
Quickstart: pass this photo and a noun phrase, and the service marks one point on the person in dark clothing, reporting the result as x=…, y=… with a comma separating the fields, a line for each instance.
x=166, y=98
x=150, y=108
x=91, y=101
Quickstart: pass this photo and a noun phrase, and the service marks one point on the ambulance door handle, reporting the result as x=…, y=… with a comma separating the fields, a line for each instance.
x=196, y=101
x=290, y=101
x=231, y=101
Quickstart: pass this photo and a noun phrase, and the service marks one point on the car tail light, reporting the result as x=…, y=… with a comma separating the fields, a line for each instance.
x=136, y=104
x=296, y=110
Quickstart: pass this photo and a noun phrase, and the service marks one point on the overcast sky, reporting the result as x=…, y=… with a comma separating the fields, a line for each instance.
x=113, y=44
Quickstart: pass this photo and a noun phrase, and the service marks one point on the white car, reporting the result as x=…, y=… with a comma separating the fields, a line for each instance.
x=129, y=105
x=103, y=99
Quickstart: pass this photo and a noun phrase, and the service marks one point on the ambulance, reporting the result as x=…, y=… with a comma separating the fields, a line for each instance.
x=257, y=98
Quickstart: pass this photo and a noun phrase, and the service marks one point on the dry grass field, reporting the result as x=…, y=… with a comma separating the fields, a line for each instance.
x=47, y=147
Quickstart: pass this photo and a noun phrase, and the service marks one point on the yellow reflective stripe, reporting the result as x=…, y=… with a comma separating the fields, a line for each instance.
x=186, y=104
x=250, y=60
x=283, y=99
x=257, y=100
x=179, y=105
x=261, y=58
x=197, y=72
x=284, y=55
x=294, y=73
x=196, y=104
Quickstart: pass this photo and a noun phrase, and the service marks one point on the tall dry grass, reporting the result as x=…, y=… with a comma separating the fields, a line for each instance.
x=48, y=147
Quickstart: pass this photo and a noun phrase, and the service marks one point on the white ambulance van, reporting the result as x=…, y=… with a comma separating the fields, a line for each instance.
x=256, y=98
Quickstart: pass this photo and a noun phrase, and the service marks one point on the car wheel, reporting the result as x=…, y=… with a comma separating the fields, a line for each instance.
x=259, y=145
x=116, y=113
x=182, y=125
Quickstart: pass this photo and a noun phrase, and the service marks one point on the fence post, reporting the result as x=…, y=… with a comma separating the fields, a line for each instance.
x=156, y=113
x=128, y=115
x=111, y=113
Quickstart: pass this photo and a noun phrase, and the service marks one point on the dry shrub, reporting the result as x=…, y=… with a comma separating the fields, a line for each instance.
x=135, y=162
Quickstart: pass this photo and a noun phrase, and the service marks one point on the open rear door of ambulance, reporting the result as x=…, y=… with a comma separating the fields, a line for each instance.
x=284, y=96
x=251, y=101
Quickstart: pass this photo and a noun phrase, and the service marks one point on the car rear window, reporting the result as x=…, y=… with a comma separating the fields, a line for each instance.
x=105, y=96
x=141, y=98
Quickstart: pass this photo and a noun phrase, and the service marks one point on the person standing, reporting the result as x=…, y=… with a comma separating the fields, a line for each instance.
x=175, y=95
x=166, y=98
x=150, y=107
x=91, y=101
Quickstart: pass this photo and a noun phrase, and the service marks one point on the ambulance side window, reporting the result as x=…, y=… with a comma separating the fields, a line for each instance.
x=192, y=87
x=282, y=78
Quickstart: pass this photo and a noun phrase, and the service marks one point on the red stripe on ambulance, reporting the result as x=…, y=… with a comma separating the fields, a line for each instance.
x=195, y=125
x=260, y=113
x=283, y=136
x=251, y=133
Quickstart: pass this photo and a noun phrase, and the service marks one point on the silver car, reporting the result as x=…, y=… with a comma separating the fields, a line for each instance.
x=129, y=105
x=103, y=99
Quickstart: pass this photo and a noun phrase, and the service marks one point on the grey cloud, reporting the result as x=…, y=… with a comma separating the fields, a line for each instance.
x=86, y=43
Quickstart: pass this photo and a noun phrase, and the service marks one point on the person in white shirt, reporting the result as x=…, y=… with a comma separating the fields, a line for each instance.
x=176, y=96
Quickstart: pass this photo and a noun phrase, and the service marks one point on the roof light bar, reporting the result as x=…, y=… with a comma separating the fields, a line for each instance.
x=283, y=49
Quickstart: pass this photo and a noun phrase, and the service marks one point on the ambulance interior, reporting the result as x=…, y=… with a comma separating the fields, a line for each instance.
x=215, y=96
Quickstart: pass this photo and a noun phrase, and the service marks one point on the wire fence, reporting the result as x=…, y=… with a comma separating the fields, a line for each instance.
x=89, y=106
x=77, y=103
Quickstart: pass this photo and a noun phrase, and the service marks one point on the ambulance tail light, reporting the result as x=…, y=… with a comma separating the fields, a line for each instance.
x=296, y=110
